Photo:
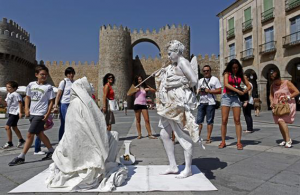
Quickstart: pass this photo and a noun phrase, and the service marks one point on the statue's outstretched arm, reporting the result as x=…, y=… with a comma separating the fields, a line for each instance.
x=188, y=72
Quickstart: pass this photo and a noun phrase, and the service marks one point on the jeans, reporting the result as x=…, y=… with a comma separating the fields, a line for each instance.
x=37, y=144
x=248, y=117
x=208, y=111
x=63, y=112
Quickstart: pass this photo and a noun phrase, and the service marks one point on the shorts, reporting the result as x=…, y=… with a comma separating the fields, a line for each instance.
x=208, y=111
x=230, y=100
x=36, y=124
x=12, y=120
x=139, y=107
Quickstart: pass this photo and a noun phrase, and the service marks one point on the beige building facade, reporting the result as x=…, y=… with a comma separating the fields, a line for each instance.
x=263, y=35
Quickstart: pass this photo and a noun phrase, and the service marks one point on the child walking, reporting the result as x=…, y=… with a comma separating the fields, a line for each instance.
x=14, y=110
x=40, y=96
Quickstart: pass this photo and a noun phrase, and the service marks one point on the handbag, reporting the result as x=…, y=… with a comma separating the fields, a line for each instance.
x=113, y=105
x=49, y=123
x=244, y=97
x=281, y=109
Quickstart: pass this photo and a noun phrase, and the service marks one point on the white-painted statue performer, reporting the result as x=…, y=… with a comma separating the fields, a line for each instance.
x=175, y=101
x=85, y=158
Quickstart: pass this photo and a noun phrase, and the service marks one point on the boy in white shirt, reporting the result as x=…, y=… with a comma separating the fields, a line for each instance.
x=40, y=96
x=14, y=110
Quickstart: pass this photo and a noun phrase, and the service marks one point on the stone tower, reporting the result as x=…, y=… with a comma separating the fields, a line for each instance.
x=114, y=58
x=116, y=46
x=17, y=54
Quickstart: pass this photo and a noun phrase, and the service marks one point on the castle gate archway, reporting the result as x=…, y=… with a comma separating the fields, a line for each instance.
x=293, y=69
x=265, y=90
x=115, y=51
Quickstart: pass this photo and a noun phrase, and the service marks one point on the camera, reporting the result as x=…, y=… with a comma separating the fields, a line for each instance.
x=202, y=90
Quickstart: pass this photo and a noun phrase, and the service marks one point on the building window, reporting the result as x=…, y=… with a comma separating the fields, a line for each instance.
x=248, y=20
x=268, y=11
x=269, y=38
x=230, y=32
x=231, y=51
x=295, y=29
x=248, y=46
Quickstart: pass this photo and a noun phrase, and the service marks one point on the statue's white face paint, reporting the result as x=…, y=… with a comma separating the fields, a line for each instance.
x=173, y=55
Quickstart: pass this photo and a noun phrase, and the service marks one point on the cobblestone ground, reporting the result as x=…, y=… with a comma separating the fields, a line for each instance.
x=261, y=168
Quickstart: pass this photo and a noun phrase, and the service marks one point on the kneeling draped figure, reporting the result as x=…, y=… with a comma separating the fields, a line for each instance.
x=85, y=158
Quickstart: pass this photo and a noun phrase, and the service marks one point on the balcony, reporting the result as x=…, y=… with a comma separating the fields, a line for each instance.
x=268, y=47
x=267, y=15
x=291, y=5
x=247, y=54
x=228, y=58
x=291, y=40
x=247, y=25
x=230, y=33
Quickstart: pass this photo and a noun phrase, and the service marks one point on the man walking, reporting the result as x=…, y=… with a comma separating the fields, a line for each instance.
x=207, y=88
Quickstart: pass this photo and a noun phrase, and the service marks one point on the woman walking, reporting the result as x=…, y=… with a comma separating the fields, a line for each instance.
x=247, y=107
x=233, y=76
x=108, y=94
x=63, y=97
x=283, y=91
x=140, y=106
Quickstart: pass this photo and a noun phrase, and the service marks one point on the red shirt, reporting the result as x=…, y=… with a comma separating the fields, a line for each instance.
x=110, y=94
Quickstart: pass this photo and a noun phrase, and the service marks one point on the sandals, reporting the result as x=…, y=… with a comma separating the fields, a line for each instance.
x=208, y=141
x=222, y=145
x=139, y=137
x=151, y=137
x=239, y=146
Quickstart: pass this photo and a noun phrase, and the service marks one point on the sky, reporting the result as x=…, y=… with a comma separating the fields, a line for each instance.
x=68, y=30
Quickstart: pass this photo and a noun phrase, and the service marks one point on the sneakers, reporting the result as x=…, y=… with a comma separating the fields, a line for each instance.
x=288, y=144
x=282, y=143
x=48, y=156
x=16, y=161
x=20, y=143
x=7, y=145
x=39, y=153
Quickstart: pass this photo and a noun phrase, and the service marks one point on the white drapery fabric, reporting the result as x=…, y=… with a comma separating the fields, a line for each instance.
x=86, y=155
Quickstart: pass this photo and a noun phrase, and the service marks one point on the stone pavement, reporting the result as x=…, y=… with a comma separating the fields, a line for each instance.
x=261, y=168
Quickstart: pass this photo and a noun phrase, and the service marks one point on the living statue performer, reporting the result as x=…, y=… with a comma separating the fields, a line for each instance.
x=175, y=101
x=85, y=157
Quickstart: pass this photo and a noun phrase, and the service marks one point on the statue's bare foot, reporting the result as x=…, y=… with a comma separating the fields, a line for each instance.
x=170, y=170
x=184, y=174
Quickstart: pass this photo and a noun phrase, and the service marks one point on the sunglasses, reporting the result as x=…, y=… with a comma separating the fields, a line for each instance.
x=110, y=77
x=205, y=70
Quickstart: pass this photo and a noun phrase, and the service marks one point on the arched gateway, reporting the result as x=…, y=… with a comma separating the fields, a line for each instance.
x=115, y=52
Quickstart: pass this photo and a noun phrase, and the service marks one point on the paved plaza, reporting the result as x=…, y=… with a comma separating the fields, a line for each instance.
x=261, y=168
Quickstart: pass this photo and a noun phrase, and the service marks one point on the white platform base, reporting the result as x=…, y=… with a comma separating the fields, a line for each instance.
x=141, y=179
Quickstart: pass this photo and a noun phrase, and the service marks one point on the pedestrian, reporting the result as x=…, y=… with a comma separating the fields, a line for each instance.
x=108, y=95
x=140, y=106
x=257, y=106
x=125, y=105
x=40, y=96
x=14, y=105
x=63, y=98
x=207, y=88
x=233, y=77
x=283, y=91
x=247, y=108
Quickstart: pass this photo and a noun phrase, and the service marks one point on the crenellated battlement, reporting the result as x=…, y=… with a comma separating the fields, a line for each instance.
x=13, y=27
x=207, y=57
x=68, y=63
x=12, y=30
x=110, y=28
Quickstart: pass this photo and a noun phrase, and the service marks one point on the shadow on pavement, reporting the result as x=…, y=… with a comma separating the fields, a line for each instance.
x=220, y=138
x=246, y=142
x=206, y=165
